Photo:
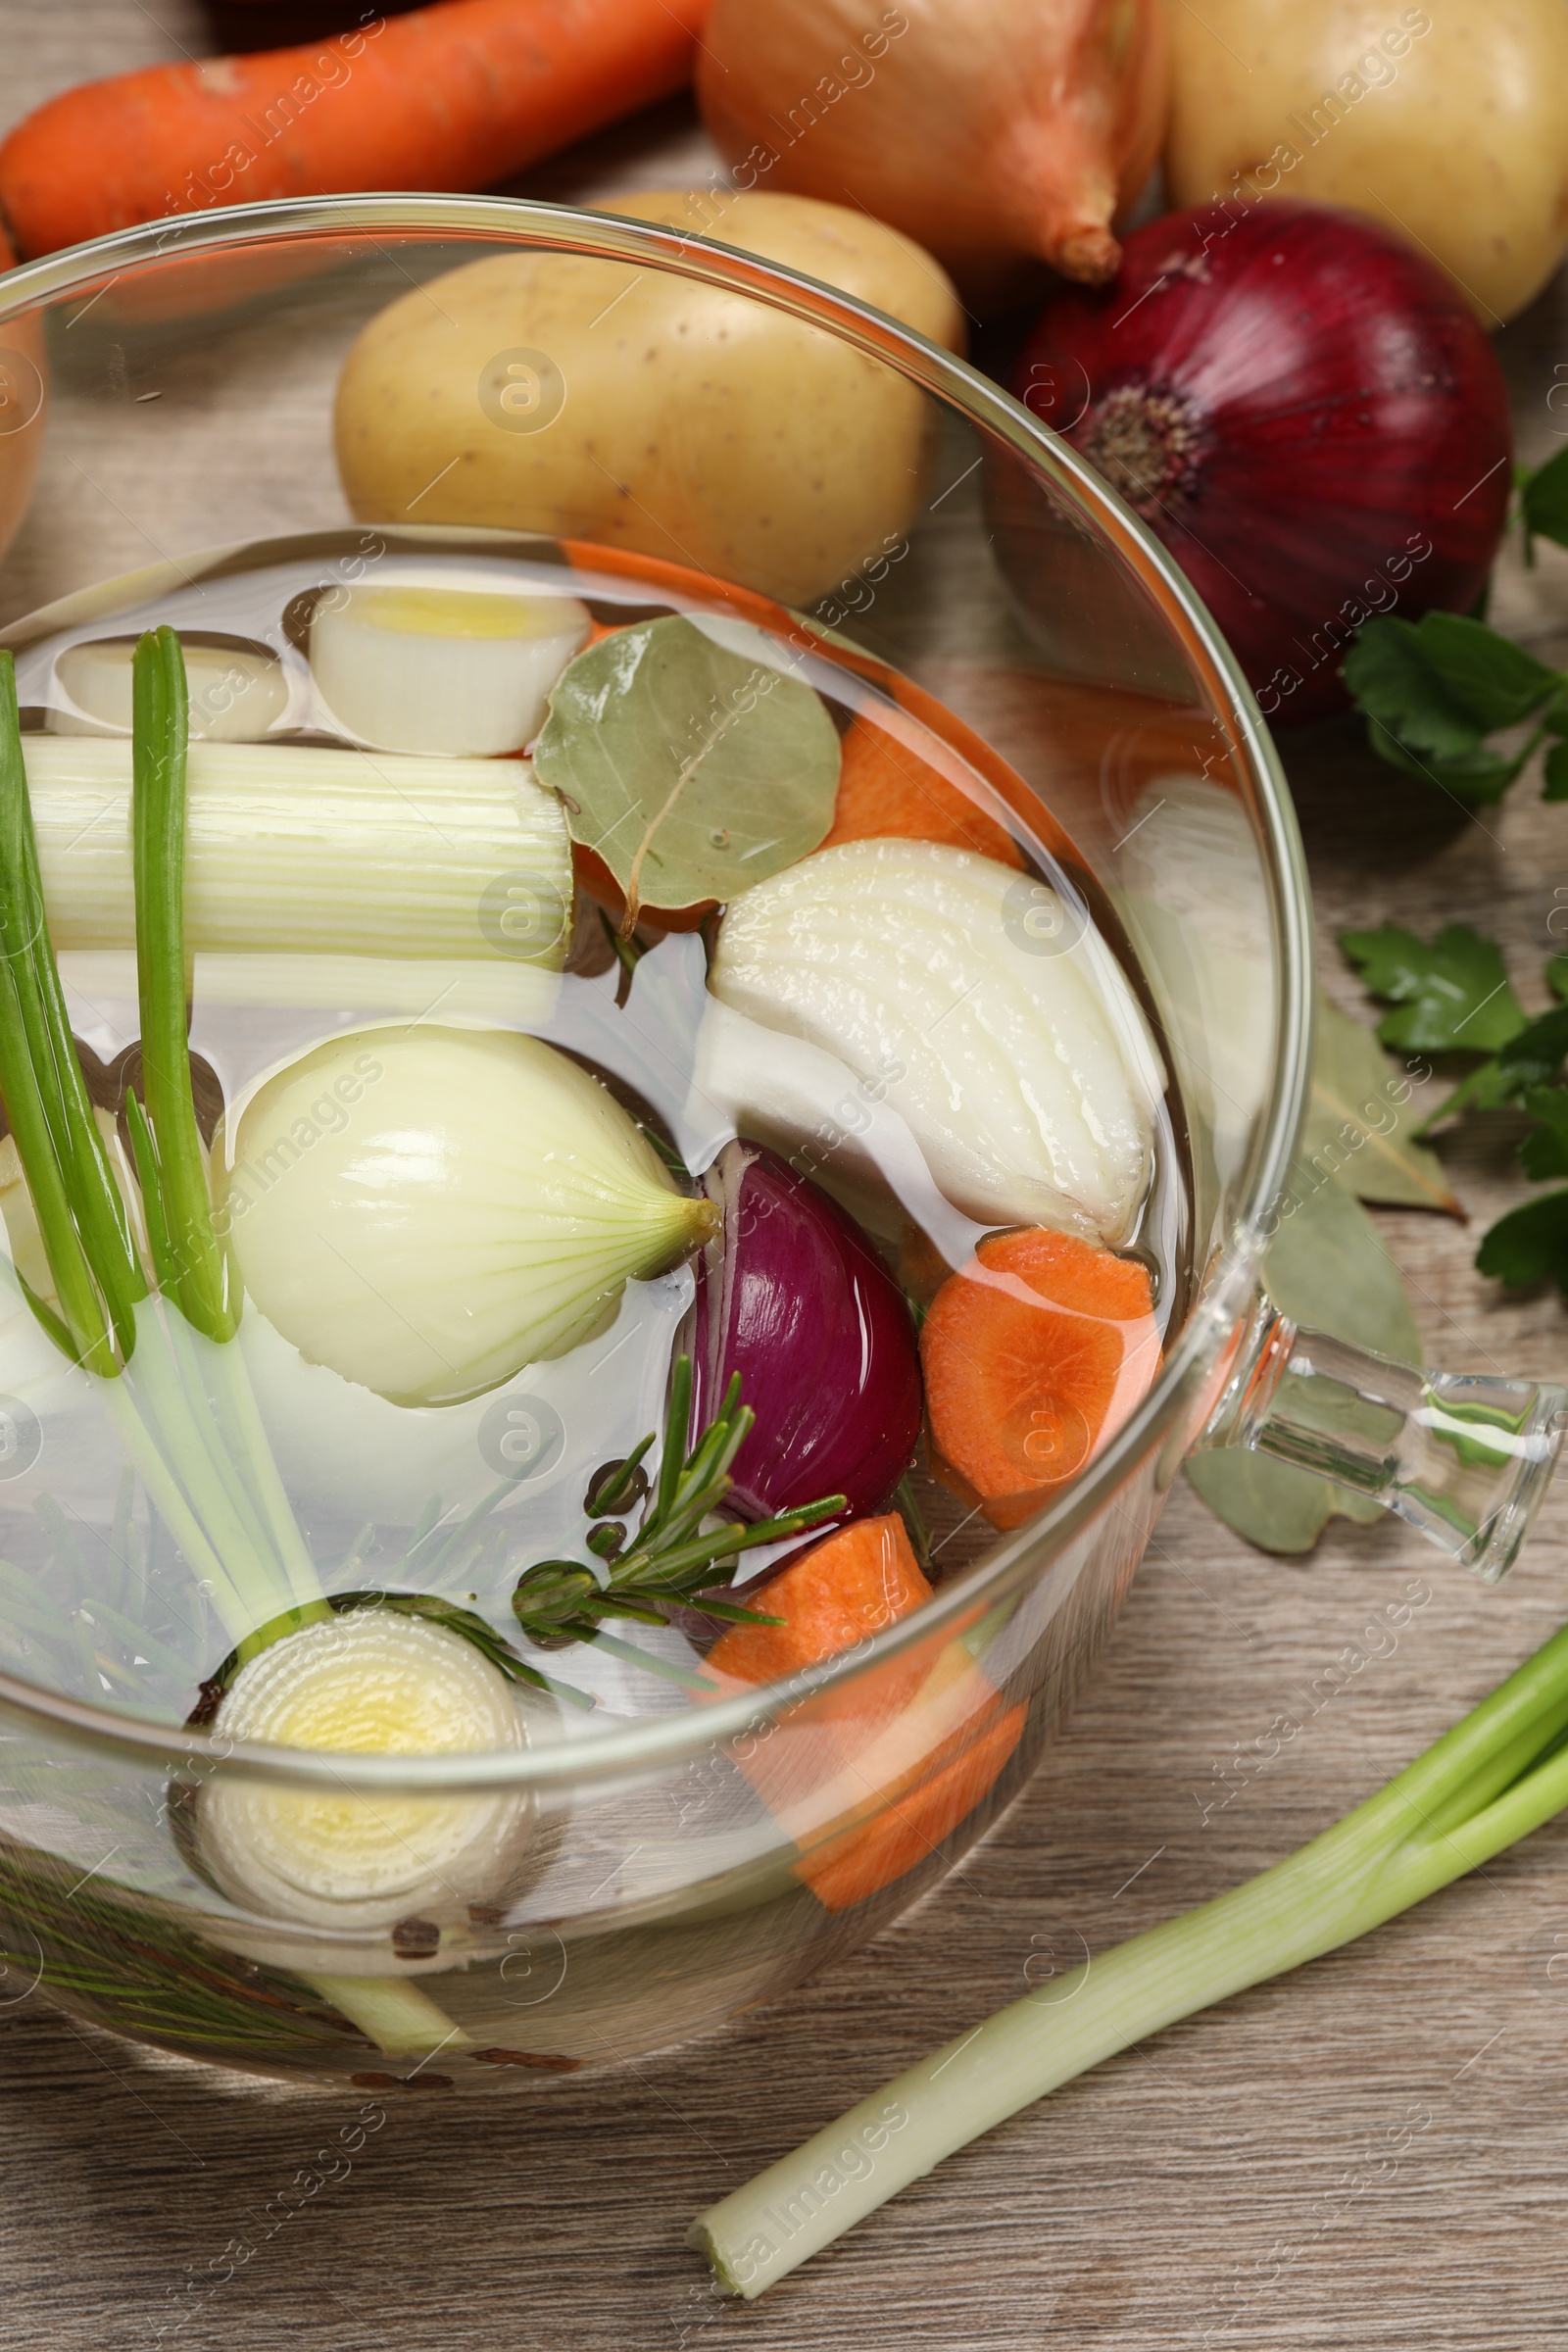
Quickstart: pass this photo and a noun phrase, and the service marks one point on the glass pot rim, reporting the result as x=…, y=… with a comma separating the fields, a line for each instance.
x=1171, y=1412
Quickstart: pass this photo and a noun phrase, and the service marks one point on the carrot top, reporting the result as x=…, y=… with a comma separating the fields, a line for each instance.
x=1034, y=1354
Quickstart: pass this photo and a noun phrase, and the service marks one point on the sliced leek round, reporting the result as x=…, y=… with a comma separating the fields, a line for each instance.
x=238, y=694
x=365, y=1681
x=429, y=669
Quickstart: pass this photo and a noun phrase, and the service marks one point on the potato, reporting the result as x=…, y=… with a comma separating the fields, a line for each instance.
x=1442, y=123
x=552, y=392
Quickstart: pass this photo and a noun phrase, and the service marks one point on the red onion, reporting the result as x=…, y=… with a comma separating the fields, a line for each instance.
x=1303, y=409
x=795, y=1298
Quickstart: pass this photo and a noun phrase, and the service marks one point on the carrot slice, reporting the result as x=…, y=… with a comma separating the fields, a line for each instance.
x=846, y=1869
x=851, y=1585
x=599, y=883
x=876, y=1776
x=888, y=791
x=1034, y=1354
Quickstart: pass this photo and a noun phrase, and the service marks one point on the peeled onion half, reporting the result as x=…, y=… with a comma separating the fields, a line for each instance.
x=975, y=1002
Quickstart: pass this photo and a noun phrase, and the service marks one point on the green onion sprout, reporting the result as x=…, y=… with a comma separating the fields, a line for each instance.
x=1494, y=1777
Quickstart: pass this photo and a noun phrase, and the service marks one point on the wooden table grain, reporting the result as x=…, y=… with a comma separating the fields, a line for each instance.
x=1373, y=2153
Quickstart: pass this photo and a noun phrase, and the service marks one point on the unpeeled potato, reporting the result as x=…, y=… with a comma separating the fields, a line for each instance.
x=1445, y=122
x=554, y=392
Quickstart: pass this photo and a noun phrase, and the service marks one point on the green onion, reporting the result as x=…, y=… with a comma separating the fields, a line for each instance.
x=1497, y=1776
x=192, y=1271
x=187, y=1417
x=81, y=1219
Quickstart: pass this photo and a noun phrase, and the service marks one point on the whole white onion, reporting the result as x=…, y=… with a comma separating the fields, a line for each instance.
x=425, y=1210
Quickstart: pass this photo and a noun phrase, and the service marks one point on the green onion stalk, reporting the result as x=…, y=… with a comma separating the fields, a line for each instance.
x=1497, y=1776
x=171, y=1380
x=187, y=1417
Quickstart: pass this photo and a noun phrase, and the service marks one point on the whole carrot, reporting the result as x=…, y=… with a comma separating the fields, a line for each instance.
x=452, y=97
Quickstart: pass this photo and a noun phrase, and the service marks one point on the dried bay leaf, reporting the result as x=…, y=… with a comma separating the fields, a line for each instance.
x=693, y=766
x=1327, y=1268
x=1359, y=1127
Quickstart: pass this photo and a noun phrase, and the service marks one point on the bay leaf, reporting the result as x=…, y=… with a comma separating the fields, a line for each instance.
x=693, y=766
x=1328, y=1268
x=1361, y=1124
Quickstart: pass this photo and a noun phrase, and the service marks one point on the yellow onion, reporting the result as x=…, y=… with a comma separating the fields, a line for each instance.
x=999, y=136
x=425, y=1210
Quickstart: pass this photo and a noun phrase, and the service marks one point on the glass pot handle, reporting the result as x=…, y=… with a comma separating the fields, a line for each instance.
x=1464, y=1458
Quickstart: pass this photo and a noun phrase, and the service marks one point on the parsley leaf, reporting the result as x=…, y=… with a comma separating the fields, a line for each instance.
x=1535, y=1053
x=1544, y=1149
x=1496, y=681
x=1434, y=690
x=1485, y=1089
x=1451, y=995
x=1529, y=1244
x=1400, y=688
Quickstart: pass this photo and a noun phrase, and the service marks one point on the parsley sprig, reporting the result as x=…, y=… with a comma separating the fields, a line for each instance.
x=1452, y=995
x=1436, y=691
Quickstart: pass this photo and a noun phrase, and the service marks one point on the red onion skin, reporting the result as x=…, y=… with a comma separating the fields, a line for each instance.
x=796, y=1300
x=1338, y=438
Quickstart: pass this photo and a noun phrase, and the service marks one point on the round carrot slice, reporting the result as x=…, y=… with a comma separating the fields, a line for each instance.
x=1034, y=1354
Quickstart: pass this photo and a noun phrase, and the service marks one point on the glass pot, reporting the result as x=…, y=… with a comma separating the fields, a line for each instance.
x=166, y=393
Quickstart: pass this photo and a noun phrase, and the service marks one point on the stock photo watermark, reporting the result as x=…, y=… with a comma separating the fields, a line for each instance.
x=201, y=2284
x=218, y=182
x=1378, y=1116
x=253, y=1177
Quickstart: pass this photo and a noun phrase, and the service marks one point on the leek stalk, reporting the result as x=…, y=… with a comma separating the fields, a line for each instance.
x=1494, y=1777
x=289, y=846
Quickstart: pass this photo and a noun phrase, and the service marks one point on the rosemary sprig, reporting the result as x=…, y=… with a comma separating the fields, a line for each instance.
x=133, y=1967
x=472, y=1628
x=671, y=1559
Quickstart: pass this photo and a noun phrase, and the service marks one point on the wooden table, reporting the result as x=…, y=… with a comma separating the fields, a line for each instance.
x=1373, y=2153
